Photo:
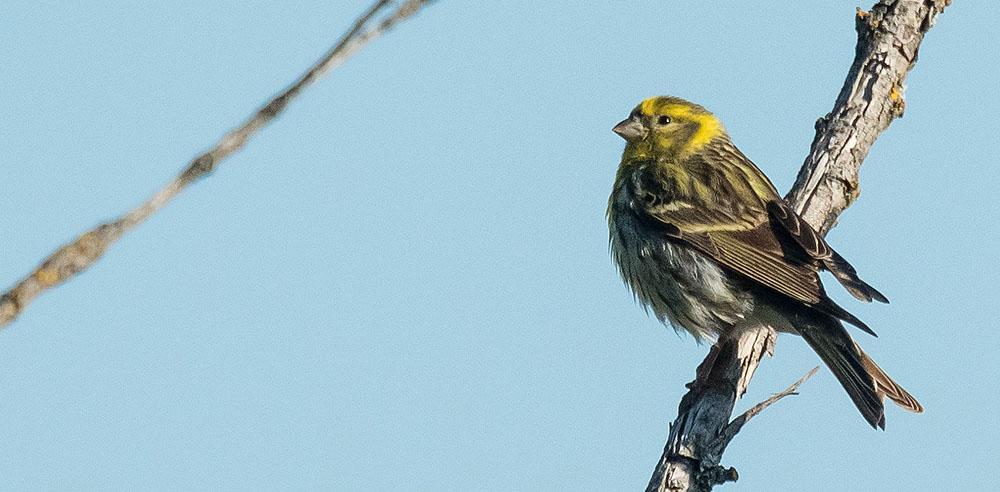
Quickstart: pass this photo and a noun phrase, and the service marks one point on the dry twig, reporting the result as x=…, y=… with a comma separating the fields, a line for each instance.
x=75, y=257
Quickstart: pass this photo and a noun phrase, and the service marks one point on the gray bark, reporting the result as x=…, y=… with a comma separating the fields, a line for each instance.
x=889, y=37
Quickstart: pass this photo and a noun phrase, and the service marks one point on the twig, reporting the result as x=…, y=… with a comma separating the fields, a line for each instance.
x=889, y=37
x=734, y=427
x=75, y=257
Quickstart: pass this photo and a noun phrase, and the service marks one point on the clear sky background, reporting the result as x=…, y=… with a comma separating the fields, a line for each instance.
x=405, y=281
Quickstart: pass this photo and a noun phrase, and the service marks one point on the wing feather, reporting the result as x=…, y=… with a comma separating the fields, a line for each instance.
x=766, y=266
x=727, y=209
x=802, y=234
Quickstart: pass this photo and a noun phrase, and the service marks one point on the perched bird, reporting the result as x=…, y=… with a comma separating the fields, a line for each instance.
x=703, y=239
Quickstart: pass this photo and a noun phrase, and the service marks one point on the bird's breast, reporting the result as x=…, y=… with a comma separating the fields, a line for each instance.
x=678, y=283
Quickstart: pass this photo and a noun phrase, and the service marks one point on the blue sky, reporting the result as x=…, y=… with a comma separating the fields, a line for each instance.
x=405, y=280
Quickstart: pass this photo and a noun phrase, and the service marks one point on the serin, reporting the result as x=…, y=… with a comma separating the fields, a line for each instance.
x=703, y=239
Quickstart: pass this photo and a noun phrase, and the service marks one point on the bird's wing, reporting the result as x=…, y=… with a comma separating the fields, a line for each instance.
x=756, y=252
x=715, y=209
x=791, y=226
x=732, y=214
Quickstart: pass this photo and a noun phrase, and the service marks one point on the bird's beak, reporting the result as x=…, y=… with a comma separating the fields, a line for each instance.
x=630, y=129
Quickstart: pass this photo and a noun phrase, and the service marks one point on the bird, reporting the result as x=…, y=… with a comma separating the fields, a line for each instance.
x=703, y=240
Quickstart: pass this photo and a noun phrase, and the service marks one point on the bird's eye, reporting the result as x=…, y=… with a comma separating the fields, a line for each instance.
x=663, y=120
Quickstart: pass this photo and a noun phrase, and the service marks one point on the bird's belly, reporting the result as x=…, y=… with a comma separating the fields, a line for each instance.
x=677, y=282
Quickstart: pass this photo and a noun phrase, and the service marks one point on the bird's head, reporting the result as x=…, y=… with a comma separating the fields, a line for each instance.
x=668, y=126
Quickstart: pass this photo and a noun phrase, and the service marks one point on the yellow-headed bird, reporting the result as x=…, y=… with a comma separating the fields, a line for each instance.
x=703, y=239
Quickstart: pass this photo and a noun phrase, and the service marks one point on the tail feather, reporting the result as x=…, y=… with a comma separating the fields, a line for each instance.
x=885, y=386
x=834, y=346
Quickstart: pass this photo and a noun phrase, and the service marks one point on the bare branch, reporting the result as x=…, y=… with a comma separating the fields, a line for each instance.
x=734, y=427
x=889, y=37
x=75, y=257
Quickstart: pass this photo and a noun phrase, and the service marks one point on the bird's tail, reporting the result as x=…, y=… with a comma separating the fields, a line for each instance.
x=865, y=381
x=885, y=386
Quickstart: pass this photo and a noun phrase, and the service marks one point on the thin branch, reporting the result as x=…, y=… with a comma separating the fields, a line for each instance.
x=889, y=37
x=75, y=257
x=734, y=427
